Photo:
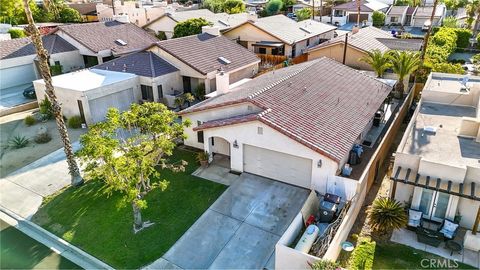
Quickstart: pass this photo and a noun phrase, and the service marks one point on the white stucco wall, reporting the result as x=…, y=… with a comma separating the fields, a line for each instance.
x=164, y=24
x=70, y=61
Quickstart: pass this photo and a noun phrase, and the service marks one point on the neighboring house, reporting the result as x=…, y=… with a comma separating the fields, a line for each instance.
x=138, y=13
x=102, y=41
x=310, y=4
x=280, y=35
x=158, y=79
x=224, y=21
x=286, y=126
x=436, y=169
x=90, y=92
x=199, y=57
x=409, y=15
x=87, y=10
x=348, y=12
x=396, y=15
x=421, y=17
x=359, y=44
x=18, y=59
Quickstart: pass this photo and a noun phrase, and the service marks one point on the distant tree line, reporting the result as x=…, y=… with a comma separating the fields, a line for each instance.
x=13, y=12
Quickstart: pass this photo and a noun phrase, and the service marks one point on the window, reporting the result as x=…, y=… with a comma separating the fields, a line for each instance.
x=260, y=130
x=147, y=92
x=199, y=123
x=308, y=42
x=160, y=92
x=57, y=63
x=200, y=136
x=262, y=50
x=394, y=19
x=213, y=141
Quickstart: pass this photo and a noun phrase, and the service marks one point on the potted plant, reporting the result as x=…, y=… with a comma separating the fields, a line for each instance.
x=189, y=98
x=203, y=157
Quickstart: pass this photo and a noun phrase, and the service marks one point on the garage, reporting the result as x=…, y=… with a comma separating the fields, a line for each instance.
x=353, y=17
x=276, y=165
x=419, y=22
x=15, y=76
x=120, y=100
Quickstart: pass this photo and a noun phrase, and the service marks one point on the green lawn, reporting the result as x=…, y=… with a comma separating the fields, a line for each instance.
x=388, y=255
x=101, y=225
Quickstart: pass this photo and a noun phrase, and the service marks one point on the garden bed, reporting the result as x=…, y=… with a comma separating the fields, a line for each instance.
x=102, y=226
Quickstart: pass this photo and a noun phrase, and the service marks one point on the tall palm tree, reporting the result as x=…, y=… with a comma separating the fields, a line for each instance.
x=378, y=61
x=403, y=64
x=429, y=31
x=42, y=55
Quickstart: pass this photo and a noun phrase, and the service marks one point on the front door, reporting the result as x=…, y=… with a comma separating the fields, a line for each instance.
x=187, y=84
x=434, y=204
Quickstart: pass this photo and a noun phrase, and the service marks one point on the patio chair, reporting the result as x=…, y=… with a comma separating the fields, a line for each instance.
x=449, y=229
x=414, y=219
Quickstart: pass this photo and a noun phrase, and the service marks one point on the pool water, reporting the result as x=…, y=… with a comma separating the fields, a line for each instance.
x=18, y=251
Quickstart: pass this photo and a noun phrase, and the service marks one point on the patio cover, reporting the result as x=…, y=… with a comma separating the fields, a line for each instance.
x=445, y=186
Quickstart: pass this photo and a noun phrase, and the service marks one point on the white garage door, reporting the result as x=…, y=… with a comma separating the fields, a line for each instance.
x=419, y=22
x=14, y=76
x=279, y=166
x=120, y=100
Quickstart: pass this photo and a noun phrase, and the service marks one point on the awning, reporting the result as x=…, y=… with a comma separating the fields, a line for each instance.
x=268, y=44
x=467, y=191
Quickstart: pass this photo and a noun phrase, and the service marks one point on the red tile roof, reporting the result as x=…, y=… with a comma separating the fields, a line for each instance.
x=321, y=104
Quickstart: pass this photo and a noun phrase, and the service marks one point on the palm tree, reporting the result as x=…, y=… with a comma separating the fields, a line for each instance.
x=386, y=214
x=403, y=64
x=44, y=67
x=378, y=61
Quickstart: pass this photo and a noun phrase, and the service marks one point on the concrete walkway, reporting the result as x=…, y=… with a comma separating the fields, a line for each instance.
x=22, y=193
x=239, y=230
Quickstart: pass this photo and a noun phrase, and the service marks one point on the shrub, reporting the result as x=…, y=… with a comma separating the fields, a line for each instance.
x=378, y=18
x=363, y=254
x=448, y=68
x=16, y=33
x=476, y=58
x=189, y=27
x=43, y=138
x=75, y=122
x=161, y=35
x=18, y=142
x=273, y=7
x=234, y=6
x=200, y=91
x=30, y=120
x=386, y=215
x=46, y=108
x=450, y=21
x=202, y=156
x=303, y=14
x=478, y=41
x=324, y=265
x=56, y=70
x=463, y=37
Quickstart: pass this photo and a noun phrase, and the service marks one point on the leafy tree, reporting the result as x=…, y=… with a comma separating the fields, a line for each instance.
x=450, y=21
x=44, y=68
x=448, y=68
x=125, y=150
x=234, y=6
x=378, y=60
x=273, y=7
x=303, y=14
x=16, y=33
x=189, y=27
x=473, y=9
x=215, y=6
x=463, y=37
x=385, y=215
x=161, y=35
x=403, y=64
x=69, y=15
x=13, y=12
x=378, y=18
x=287, y=4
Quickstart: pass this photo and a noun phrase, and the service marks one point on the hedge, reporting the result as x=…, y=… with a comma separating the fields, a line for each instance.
x=463, y=37
x=448, y=68
x=363, y=254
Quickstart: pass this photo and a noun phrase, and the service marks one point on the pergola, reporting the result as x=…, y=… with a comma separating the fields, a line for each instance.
x=444, y=186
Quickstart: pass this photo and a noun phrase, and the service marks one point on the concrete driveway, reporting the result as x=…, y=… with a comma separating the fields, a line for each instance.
x=240, y=229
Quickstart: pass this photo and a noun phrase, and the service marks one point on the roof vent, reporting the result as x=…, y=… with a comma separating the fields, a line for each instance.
x=224, y=22
x=463, y=89
x=121, y=42
x=224, y=60
x=430, y=129
x=305, y=29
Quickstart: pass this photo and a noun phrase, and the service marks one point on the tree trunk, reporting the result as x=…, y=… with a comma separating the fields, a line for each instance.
x=477, y=24
x=42, y=55
x=137, y=217
x=399, y=89
x=427, y=35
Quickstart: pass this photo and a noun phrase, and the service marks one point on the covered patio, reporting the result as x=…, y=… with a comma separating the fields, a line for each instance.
x=428, y=235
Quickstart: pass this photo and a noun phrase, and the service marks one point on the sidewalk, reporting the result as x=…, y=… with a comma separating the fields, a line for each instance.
x=22, y=193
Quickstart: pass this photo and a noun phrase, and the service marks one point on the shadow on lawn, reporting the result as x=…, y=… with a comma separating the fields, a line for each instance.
x=102, y=225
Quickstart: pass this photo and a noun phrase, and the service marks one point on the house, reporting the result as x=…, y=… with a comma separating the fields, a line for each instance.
x=348, y=12
x=310, y=4
x=90, y=92
x=87, y=10
x=436, y=169
x=360, y=44
x=199, y=57
x=138, y=13
x=421, y=16
x=286, y=126
x=102, y=41
x=280, y=35
x=396, y=15
x=18, y=60
x=168, y=21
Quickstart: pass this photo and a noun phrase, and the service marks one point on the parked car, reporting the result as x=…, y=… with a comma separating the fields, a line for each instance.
x=292, y=16
x=426, y=25
x=29, y=92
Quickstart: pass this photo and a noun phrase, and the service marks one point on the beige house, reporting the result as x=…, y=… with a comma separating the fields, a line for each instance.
x=138, y=13
x=280, y=35
x=396, y=15
x=436, y=169
x=359, y=44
